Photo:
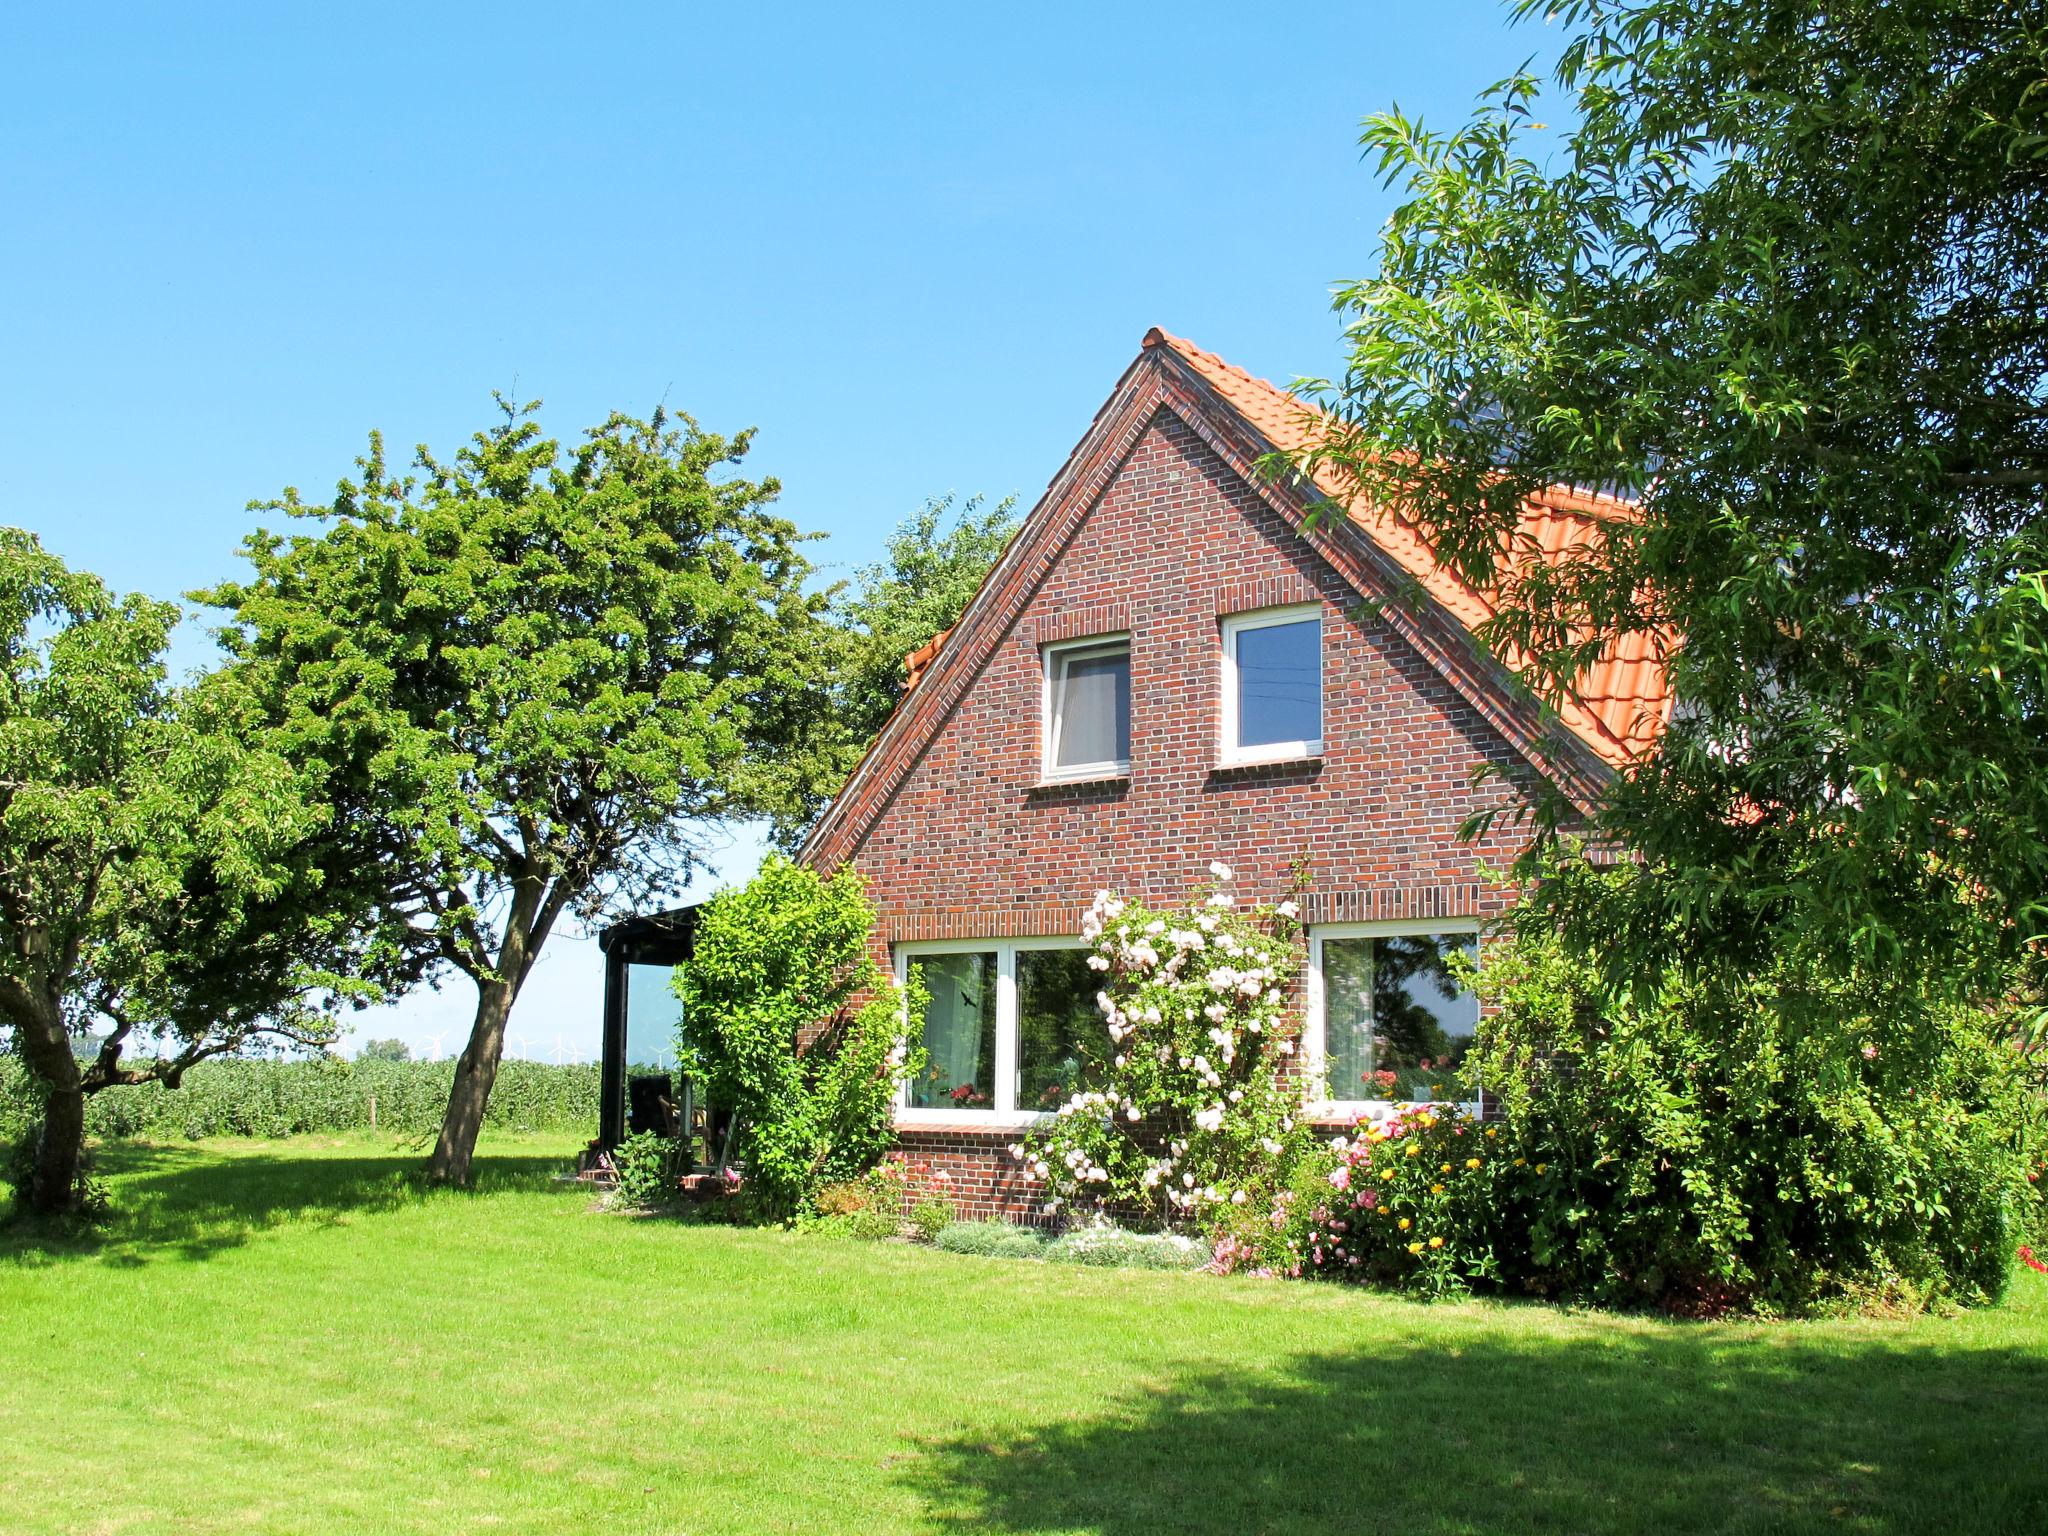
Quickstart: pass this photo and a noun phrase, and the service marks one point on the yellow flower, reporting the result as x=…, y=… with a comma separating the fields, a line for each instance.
x=1436, y=1242
x=1493, y=1130
x=1429, y=1119
x=1541, y=1166
x=1520, y=1161
x=1436, y=1189
x=1447, y=1167
x=1415, y=1247
x=1406, y=1223
x=1471, y=1162
x=1414, y=1151
x=1385, y=1174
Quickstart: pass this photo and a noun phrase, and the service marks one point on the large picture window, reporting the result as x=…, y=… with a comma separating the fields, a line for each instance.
x=1007, y=1026
x=1388, y=1021
x=1273, y=685
x=1088, y=709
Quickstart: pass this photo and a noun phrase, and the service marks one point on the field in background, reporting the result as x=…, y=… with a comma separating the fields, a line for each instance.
x=296, y=1337
x=235, y=1097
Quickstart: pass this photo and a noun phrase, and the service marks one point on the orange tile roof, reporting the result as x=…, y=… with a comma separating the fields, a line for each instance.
x=1621, y=703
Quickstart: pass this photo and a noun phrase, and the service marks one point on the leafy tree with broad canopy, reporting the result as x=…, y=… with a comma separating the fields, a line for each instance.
x=533, y=677
x=157, y=882
x=1781, y=282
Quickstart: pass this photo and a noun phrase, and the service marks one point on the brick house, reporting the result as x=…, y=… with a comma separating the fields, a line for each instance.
x=1164, y=670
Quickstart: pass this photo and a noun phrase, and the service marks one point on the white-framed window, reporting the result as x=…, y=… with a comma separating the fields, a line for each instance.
x=1003, y=1029
x=1387, y=1022
x=1273, y=684
x=1087, y=709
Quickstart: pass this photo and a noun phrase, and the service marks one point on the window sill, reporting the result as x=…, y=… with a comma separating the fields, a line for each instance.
x=986, y=1120
x=1248, y=765
x=1083, y=777
x=1348, y=1112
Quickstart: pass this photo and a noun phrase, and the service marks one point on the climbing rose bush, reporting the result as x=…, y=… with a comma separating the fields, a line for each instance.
x=1185, y=1109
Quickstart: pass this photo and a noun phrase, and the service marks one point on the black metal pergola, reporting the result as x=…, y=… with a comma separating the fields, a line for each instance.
x=656, y=938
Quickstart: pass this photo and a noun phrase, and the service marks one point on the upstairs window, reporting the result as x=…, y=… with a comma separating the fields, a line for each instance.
x=1273, y=685
x=1088, y=709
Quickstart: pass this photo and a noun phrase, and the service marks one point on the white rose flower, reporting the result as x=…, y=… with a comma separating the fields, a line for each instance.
x=1220, y=870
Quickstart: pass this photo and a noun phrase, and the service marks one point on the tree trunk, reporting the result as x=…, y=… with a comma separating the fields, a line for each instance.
x=46, y=1047
x=476, y=1070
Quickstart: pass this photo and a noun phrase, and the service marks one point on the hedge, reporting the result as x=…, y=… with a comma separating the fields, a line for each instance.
x=236, y=1097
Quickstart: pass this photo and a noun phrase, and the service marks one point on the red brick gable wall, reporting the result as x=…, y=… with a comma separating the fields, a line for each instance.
x=969, y=846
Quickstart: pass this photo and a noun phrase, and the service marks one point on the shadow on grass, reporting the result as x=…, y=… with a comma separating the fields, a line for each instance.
x=1668, y=1429
x=188, y=1203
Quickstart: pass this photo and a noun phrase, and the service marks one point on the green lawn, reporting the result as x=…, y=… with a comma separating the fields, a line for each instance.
x=291, y=1337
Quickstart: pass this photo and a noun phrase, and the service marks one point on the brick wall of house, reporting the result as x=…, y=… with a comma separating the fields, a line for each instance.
x=971, y=847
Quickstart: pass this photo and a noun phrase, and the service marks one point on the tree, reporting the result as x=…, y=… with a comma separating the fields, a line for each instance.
x=155, y=882
x=384, y=1050
x=1782, y=285
x=532, y=678
x=931, y=572
x=932, y=569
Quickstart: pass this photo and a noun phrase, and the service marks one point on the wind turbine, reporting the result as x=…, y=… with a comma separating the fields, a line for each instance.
x=525, y=1046
x=558, y=1052
x=436, y=1040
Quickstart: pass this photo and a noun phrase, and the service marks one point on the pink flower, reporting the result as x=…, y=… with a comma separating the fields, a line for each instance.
x=1869, y=1052
x=1341, y=1179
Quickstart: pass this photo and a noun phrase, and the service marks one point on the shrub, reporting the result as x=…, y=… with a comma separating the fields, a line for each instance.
x=1783, y=1141
x=991, y=1239
x=1098, y=1243
x=1186, y=1109
x=648, y=1167
x=874, y=1205
x=930, y=1216
x=89, y=1198
x=1411, y=1203
x=789, y=1023
x=1101, y=1243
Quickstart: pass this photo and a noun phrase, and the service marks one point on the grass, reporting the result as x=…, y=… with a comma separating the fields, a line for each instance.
x=293, y=1337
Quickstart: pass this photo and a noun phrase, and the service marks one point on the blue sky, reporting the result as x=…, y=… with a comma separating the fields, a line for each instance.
x=914, y=246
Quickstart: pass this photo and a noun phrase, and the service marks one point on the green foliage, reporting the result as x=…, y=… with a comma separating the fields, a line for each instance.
x=87, y=1200
x=1098, y=1244
x=384, y=1050
x=932, y=1215
x=920, y=590
x=647, y=1166
x=1779, y=284
x=894, y=1198
x=935, y=563
x=275, y=1098
x=1803, y=1138
x=1414, y=1202
x=530, y=677
x=1183, y=1110
x=1112, y=1247
x=791, y=1024
x=1817, y=1145
x=155, y=875
x=992, y=1240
